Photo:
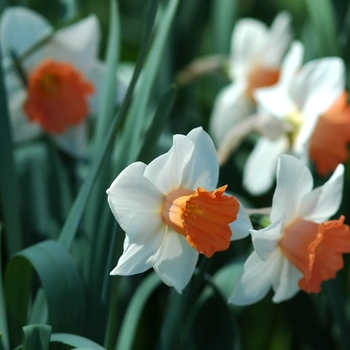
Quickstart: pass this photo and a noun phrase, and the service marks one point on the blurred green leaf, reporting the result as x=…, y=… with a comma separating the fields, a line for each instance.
x=72, y=222
x=75, y=340
x=336, y=300
x=224, y=14
x=109, y=88
x=9, y=190
x=36, y=337
x=127, y=333
x=4, y=342
x=322, y=16
x=137, y=121
x=157, y=125
x=59, y=279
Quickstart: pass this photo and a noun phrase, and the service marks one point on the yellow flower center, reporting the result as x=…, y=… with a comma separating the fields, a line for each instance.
x=202, y=217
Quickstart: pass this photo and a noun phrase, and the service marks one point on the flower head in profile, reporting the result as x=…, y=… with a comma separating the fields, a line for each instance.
x=171, y=211
x=292, y=108
x=256, y=55
x=301, y=248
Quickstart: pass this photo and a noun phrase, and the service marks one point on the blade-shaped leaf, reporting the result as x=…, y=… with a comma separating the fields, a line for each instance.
x=75, y=340
x=36, y=337
x=135, y=308
x=60, y=281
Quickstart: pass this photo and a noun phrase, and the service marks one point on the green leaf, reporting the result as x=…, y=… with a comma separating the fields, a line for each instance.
x=157, y=125
x=36, y=337
x=136, y=121
x=75, y=340
x=322, y=16
x=128, y=329
x=108, y=93
x=224, y=14
x=9, y=190
x=4, y=342
x=69, y=229
x=61, y=283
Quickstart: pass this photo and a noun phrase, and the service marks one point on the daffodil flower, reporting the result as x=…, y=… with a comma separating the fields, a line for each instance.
x=61, y=93
x=256, y=55
x=330, y=139
x=299, y=249
x=171, y=211
x=300, y=97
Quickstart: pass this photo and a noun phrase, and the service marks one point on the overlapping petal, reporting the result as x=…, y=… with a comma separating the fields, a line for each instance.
x=176, y=264
x=294, y=180
x=260, y=167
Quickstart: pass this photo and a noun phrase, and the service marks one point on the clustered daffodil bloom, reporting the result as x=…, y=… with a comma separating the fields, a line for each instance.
x=256, y=55
x=63, y=72
x=171, y=211
x=299, y=249
x=294, y=104
x=330, y=139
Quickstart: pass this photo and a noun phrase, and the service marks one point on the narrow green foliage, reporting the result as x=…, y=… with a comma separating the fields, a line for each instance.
x=224, y=14
x=4, y=343
x=130, y=322
x=157, y=124
x=75, y=340
x=136, y=121
x=36, y=337
x=322, y=16
x=72, y=222
x=109, y=89
x=9, y=192
x=59, y=279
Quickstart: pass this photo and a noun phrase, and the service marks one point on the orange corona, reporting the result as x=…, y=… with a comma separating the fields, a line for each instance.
x=202, y=217
x=316, y=250
x=57, y=96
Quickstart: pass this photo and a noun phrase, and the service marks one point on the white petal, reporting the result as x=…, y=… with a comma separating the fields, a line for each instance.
x=83, y=36
x=203, y=169
x=260, y=168
x=166, y=171
x=256, y=279
x=249, y=38
x=230, y=106
x=131, y=196
x=287, y=285
x=241, y=226
x=294, y=180
x=21, y=28
x=265, y=241
x=280, y=36
x=140, y=254
x=74, y=140
x=323, y=202
x=291, y=63
x=22, y=129
x=318, y=85
x=176, y=265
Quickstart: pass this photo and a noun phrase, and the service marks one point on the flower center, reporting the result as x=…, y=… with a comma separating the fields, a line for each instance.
x=316, y=250
x=57, y=96
x=202, y=217
x=295, y=121
x=260, y=77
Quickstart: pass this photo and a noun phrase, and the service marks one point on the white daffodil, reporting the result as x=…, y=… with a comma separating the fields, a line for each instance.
x=67, y=61
x=295, y=103
x=256, y=55
x=171, y=211
x=299, y=249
